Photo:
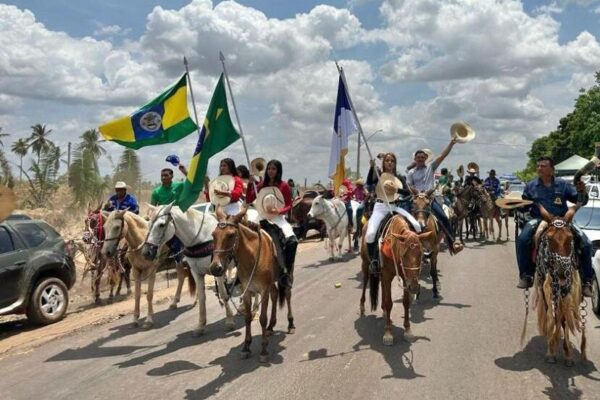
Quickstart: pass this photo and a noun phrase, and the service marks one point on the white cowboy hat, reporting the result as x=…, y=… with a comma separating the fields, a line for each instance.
x=268, y=197
x=120, y=185
x=462, y=132
x=460, y=171
x=258, y=166
x=384, y=190
x=224, y=183
x=430, y=156
x=512, y=200
x=8, y=201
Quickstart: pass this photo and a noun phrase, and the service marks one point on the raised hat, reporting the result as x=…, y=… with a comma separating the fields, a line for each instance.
x=269, y=196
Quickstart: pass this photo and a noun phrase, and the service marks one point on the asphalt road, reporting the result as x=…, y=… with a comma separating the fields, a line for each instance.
x=466, y=347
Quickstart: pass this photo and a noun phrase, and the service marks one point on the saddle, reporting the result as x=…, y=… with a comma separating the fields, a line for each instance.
x=200, y=250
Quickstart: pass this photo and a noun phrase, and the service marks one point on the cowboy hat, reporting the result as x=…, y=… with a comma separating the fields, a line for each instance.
x=8, y=201
x=224, y=183
x=429, y=152
x=460, y=171
x=257, y=166
x=120, y=185
x=472, y=167
x=512, y=200
x=462, y=132
x=268, y=197
x=359, y=182
x=387, y=187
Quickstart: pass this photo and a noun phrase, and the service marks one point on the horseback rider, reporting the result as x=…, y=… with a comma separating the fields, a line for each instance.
x=359, y=194
x=445, y=182
x=227, y=167
x=347, y=199
x=122, y=200
x=472, y=178
x=381, y=209
x=244, y=174
x=492, y=185
x=421, y=177
x=275, y=224
x=552, y=193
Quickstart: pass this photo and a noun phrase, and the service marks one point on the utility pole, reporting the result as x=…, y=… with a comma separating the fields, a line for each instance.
x=69, y=156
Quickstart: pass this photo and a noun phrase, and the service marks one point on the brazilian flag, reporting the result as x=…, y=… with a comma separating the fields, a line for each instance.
x=163, y=120
x=217, y=133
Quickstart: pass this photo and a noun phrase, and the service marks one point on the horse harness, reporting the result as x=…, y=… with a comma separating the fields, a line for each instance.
x=395, y=236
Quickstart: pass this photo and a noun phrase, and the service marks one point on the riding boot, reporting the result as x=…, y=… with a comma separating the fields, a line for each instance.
x=373, y=251
x=289, y=250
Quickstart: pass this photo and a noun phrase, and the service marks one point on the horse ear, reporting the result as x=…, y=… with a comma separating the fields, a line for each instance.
x=241, y=214
x=570, y=214
x=425, y=235
x=169, y=207
x=220, y=214
x=545, y=214
x=414, y=190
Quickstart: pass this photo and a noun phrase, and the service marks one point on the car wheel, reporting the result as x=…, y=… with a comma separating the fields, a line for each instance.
x=596, y=296
x=48, y=303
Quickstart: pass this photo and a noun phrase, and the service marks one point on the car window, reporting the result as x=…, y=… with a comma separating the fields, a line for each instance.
x=6, y=243
x=32, y=234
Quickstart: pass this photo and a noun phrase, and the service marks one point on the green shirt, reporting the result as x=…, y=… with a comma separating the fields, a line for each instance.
x=163, y=195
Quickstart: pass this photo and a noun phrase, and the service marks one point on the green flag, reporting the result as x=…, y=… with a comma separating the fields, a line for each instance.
x=217, y=133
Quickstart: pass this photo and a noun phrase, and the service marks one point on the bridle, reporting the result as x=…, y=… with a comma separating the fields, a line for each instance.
x=170, y=218
x=120, y=235
x=231, y=250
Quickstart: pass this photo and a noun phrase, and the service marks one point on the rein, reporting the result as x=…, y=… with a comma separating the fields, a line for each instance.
x=401, y=282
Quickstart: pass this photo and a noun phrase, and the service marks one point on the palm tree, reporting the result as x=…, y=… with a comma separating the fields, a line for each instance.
x=20, y=148
x=3, y=135
x=38, y=141
x=91, y=145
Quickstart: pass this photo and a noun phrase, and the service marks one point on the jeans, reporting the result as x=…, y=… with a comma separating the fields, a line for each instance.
x=348, y=205
x=524, y=245
x=439, y=213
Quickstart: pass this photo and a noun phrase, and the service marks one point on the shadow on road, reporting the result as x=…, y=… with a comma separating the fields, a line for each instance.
x=232, y=367
x=97, y=349
x=560, y=376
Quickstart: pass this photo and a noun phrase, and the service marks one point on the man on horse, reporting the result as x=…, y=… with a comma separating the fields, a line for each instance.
x=552, y=193
x=122, y=200
x=492, y=185
x=421, y=177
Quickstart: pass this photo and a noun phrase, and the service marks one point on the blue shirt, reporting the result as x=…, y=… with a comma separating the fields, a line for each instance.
x=493, y=185
x=127, y=203
x=554, y=197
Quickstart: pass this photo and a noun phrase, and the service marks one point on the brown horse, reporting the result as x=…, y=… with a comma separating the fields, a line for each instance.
x=490, y=212
x=463, y=196
x=400, y=257
x=558, y=286
x=257, y=270
x=422, y=212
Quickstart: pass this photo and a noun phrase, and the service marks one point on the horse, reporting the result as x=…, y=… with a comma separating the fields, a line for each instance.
x=401, y=255
x=257, y=270
x=557, y=286
x=333, y=213
x=299, y=215
x=134, y=229
x=194, y=229
x=490, y=212
x=464, y=196
x=423, y=214
x=118, y=268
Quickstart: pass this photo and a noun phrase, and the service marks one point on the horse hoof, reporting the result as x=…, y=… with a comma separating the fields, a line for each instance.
x=436, y=295
x=255, y=316
x=245, y=355
x=388, y=340
x=173, y=306
x=148, y=325
x=409, y=337
x=331, y=258
x=97, y=301
x=569, y=363
x=291, y=331
x=551, y=359
x=263, y=359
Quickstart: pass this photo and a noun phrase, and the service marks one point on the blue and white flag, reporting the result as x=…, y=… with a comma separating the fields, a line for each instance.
x=344, y=125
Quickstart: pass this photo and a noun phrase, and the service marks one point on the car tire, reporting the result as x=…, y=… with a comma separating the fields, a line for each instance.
x=596, y=296
x=48, y=302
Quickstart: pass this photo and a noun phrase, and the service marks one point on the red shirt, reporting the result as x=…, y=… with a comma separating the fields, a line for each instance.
x=236, y=192
x=283, y=188
x=350, y=190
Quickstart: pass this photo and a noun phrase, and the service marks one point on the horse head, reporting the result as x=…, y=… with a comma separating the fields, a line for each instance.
x=115, y=229
x=559, y=234
x=226, y=239
x=161, y=230
x=422, y=205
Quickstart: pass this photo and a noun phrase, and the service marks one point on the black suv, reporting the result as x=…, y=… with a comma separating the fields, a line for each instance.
x=36, y=271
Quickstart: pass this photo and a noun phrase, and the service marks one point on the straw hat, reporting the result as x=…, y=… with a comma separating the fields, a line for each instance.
x=387, y=187
x=224, y=183
x=120, y=185
x=430, y=156
x=268, y=197
x=472, y=168
x=460, y=171
x=359, y=182
x=258, y=166
x=462, y=132
x=512, y=200
x=8, y=201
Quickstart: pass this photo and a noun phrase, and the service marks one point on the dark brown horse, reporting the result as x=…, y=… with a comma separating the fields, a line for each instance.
x=257, y=270
x=299, y=215
x=400, y=257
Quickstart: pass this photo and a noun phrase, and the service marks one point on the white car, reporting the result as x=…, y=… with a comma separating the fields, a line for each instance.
x=588, y=219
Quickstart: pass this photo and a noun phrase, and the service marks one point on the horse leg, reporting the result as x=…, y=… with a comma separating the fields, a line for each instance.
x=567, y=346
x=506, y=226
x=406, y=303
x=365, y=273
x=434, y=273
x=264, y=308
x=127, y=276
x=229, y=322
x=331, y=240
x=137, y=295
x=201, y=297
x=290, y=316
x=274, y=293
x=180, y=278
x=255, y=306
x=386, y=306
x=149, y=296
x=98, y=280
x=248, y=317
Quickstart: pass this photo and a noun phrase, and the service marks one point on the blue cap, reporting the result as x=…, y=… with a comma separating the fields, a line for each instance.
x=173, y=159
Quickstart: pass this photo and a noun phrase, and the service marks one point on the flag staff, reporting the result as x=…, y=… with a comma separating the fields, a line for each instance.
x=189, y=79
x=237, y=117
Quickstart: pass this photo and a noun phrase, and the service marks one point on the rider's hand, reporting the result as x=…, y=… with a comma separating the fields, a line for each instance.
x=273, y=210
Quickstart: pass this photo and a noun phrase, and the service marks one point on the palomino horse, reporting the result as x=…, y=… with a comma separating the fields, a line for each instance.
x=490, y=212
x=118, y=268
x=134, y=229
x=400, y=257
x=558, y=286
x=333, y=213
x=257, y=270
x=194, y=229
x=422, y=212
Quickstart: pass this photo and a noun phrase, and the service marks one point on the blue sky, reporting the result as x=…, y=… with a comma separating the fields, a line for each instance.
x=510, y=68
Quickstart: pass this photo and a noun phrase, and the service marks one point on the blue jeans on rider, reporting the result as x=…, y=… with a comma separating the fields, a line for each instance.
x=524, y=245
x=359, y=213
x=348, y=205
x=439, y=213
x=175, y=247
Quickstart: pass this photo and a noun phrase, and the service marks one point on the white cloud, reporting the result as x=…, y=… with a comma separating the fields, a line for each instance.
x=110, y=30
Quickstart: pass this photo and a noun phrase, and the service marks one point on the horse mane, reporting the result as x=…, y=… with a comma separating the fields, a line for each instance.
x=251, y=225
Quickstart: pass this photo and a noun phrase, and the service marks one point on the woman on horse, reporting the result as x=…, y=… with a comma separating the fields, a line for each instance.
x=227, y=167
x=278, y=227
x=381, y=209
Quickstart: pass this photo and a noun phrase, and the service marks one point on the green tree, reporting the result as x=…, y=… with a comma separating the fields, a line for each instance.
x=91, y=144
x=43, y=181
x=38, y=141
x=84, y=179
x=1, y=136
x=128, y=170
x=20, y=148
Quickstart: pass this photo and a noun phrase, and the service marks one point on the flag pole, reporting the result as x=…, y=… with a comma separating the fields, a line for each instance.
x=189, y=79
x=237, y=117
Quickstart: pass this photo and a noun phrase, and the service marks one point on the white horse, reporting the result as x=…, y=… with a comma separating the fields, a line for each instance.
x=333, y=213
x=194, y=229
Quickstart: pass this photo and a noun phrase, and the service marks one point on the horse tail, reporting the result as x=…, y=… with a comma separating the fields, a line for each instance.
x=191, y=283
x=374, y=290
x=282, y=291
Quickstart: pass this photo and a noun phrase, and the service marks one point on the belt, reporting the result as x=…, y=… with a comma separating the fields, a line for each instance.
x=399, y=201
